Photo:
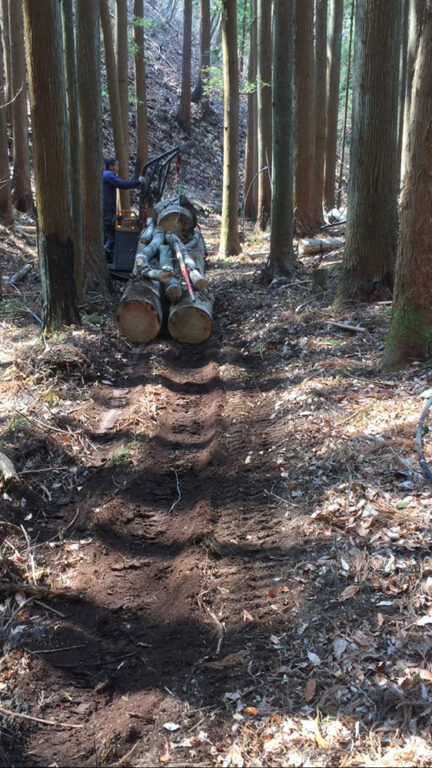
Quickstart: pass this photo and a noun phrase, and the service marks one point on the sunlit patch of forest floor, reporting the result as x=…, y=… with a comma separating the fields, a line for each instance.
x=216, y=554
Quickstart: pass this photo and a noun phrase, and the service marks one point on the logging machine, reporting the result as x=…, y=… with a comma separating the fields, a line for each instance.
x=128, y=224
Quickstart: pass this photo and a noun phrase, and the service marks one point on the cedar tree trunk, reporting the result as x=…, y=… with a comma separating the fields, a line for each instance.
x=184, y=111
x=410, y=336
x=372, y=220
x=22, y=194
x=281, y=241
x=50, y=142
x=304, y=143
x=333, y=80
x=264, y=77
x=140, y=89
x=89, y=100
x=250, y=185
x=230, y=244
x=74, y=153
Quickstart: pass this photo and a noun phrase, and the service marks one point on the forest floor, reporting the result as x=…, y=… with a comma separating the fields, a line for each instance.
x=216, y=554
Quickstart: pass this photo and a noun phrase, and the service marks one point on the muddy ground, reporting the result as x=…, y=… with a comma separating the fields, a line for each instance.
x=215, y=554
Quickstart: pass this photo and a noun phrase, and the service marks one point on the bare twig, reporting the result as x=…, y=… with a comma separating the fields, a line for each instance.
x=14, y=614
x=59, y=724
x=58, y=650
x=174, y=504
x=38, y=591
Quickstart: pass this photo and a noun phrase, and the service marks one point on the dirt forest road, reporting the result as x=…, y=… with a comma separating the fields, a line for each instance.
x=235, y=552
x=166, y=544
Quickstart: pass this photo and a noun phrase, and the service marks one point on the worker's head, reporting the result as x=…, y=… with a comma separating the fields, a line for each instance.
x=111, y=164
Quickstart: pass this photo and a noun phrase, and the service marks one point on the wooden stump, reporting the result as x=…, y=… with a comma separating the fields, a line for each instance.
x=191, y=322
x=139, y=314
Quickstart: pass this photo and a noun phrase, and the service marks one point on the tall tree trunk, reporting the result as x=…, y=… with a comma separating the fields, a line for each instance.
x=123, y=88
x=333, y=80
x=320, y=112
x=402, y=76
x=230, y=244
x=264, y=99
x=140, y=89
x=50, y=140
x=281, y=241
x=372, y=224
x=250, y=196
x=304, y=141
x=184, y=111
x=7, y=58
x=73, y=145
x=89, y=102
x=6, y=212
x=243, y=38
x=114, y=97
x=410, y=336
x=345, y=117
x=216, y=29
x=416, y=13
x=205, y=44
x=22, y=194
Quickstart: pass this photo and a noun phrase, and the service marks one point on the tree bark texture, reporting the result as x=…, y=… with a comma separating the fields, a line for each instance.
x=345, y=116
x=250, y=186
x=205, y=44
x=281, y=239
x=122, y=56
x=50, y=141
x=415, y=21
x=372, y=220
x=114, y=98
x=89, y=99
x=320, y=111
x=402, y=76
x=410, y=336
x=7, y=58
x=184, y=111
x=6, y=211
x=333, y=80
x=21, y=187
x=140, y=89
x=74, y=153
x=264, y=100
x=230, y=243
x=304, y=141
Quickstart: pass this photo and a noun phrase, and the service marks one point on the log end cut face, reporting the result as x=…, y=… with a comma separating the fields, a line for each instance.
x=138, y=321
x=190, y=325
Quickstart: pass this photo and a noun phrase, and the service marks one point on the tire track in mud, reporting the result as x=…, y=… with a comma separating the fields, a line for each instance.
x=142, y=627
x=184, y=548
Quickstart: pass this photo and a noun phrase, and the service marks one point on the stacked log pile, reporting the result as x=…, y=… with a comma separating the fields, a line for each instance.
x=168, y=278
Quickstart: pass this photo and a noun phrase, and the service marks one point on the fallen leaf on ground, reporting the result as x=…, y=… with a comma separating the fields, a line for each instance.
x=310, y=690
x=423, y=620
x=349, y=592
x=251, y=711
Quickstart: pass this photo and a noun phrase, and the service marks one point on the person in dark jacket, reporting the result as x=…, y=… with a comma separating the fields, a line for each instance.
x=111, y=182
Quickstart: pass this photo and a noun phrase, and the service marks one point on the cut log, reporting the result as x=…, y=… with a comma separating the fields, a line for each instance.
x=146, y=253
x=139, y=314
x=176, y=215
x=173, y=287
x=315, y=245
x=147, y=233
x=191, y=322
